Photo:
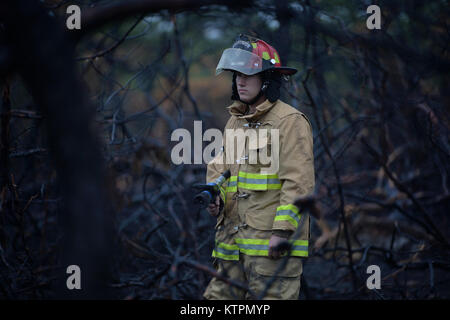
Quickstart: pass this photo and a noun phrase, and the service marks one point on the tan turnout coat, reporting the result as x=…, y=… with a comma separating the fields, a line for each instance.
x=258, y=199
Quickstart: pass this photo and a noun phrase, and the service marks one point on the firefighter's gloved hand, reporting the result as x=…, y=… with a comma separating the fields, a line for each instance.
x=214, y=209
x=276, y=242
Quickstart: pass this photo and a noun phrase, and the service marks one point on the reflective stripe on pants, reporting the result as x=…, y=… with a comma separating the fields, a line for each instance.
x=256, y=247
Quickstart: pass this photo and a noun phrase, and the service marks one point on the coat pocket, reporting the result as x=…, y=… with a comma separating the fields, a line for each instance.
x=263, y=151
x=269, y=267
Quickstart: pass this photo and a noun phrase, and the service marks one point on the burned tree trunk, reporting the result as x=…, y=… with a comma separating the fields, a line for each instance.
x=44, y=59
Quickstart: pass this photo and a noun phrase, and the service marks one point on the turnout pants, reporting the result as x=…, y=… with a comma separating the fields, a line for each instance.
x=265, y=278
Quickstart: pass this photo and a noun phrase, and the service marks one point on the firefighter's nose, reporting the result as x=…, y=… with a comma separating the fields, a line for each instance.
x=240, y=81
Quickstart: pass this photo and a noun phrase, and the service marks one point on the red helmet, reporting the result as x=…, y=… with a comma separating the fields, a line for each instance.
x=251, y=56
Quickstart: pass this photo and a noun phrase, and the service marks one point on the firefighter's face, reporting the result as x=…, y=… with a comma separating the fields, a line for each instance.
x=248, y=86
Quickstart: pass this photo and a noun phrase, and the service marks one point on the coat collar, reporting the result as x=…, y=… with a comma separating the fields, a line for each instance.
x=238, y=109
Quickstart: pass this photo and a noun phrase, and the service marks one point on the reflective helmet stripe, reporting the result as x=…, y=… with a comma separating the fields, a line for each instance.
x=277, y=58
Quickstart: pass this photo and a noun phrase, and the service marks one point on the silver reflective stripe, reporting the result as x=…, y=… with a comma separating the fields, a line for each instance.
x=299, y=248
x=232, y=184
x=259, y=181
x=266, y=247
x=288, y=213
x=253, y=246
x=226, y=251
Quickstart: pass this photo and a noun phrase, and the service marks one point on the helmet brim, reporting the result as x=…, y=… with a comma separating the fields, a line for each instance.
x=282, y=70
x=285, y=70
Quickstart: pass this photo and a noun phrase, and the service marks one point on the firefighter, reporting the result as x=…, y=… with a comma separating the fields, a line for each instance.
x=258, y=206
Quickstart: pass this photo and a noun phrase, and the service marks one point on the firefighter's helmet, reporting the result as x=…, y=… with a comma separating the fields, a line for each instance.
x=250, y=56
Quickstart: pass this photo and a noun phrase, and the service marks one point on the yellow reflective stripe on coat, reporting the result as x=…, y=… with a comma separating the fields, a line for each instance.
x=232, y=184
x=260, y=247
x=253, y=181
x=290, y=213
x=226, y=251
x=223, y=194
x=257, y=181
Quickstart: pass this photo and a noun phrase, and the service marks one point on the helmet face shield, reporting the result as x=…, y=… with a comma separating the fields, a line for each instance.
x=243, y=61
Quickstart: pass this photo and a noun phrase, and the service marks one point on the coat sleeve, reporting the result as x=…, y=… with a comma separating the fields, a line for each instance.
x=296, y=169
x=214, y=169
x=218, y=165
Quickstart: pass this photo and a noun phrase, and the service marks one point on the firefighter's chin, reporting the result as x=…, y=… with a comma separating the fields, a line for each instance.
x=245, y=98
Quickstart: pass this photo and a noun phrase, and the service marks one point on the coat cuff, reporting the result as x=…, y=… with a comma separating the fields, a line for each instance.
x=287, y=218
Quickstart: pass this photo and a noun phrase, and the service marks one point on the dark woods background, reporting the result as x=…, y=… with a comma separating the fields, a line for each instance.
x=86, y=117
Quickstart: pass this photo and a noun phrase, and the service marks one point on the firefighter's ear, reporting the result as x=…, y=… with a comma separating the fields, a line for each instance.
x=271, y=85
x=265, y=86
